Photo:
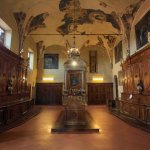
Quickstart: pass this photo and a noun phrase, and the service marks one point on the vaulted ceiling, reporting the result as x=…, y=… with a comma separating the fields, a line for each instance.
x=56, y=21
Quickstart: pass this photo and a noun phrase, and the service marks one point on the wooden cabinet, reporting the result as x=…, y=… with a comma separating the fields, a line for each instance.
x=99, y=93
x=49, y=93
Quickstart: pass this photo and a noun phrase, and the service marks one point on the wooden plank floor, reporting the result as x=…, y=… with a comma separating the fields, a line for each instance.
x=35, y=134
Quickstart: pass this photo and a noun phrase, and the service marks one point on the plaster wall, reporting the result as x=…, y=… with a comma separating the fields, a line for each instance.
x=103, y=69
x=57, y=74
x=117, y=68
x=29, y=45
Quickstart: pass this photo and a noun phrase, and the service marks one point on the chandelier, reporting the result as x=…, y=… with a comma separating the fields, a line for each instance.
x=73, y=52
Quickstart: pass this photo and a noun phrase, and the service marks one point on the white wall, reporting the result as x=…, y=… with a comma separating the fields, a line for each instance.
x=104, y=67
x=57, y=74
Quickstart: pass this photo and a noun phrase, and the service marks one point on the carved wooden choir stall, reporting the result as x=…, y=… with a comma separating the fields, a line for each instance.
x=15, y=99
x=135, y=99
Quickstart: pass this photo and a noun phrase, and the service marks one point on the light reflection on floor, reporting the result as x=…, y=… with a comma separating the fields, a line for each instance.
x=114, y=134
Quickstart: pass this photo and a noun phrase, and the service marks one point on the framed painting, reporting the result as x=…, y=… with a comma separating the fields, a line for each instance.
x=142, y=28
x=93, y=61
x=74, y=78
x=51, y=61
x=120, y=78
x=118, y=52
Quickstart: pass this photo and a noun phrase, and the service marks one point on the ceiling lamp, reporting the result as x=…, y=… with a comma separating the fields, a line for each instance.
x=74, y=63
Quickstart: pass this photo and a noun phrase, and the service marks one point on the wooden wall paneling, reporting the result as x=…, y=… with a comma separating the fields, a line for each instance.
x=125, y=85
x=139, y=106
x=1, y=76
x=129, y=79
x=99, y=93
x=109, y=91
x=13, y=112
x=136, y=76
x=145, y=74
x=2, y=116
x=49, y=93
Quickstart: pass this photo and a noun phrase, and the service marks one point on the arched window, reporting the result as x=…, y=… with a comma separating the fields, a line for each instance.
x=31, y=59
x=2, y=35
x=5, y=34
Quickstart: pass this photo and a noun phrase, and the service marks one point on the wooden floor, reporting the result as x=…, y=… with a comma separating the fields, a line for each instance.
x=35, y=134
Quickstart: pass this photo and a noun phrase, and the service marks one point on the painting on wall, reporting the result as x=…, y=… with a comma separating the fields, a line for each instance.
x=93, y=61
x=141, y=29
x=74, y=79
x=120, y=77
x=51, y=61
x=118, y=52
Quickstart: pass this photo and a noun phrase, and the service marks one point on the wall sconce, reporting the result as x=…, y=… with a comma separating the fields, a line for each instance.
x=48, y=78
x=98, y=79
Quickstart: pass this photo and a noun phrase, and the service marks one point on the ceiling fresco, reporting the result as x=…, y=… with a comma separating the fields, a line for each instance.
x=95, y=22
x=33, y=23
x=128, y=16
x=75, y=15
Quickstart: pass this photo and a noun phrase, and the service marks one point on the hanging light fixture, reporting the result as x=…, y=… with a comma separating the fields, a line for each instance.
x=73, y=52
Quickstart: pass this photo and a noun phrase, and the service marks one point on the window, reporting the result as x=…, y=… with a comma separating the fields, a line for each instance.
x=5, y=34
x=2, y=35
x=31, y=60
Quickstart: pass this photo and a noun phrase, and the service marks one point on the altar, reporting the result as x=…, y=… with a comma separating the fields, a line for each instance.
x=74, y=108
x=74, y=97
x=74, y=117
